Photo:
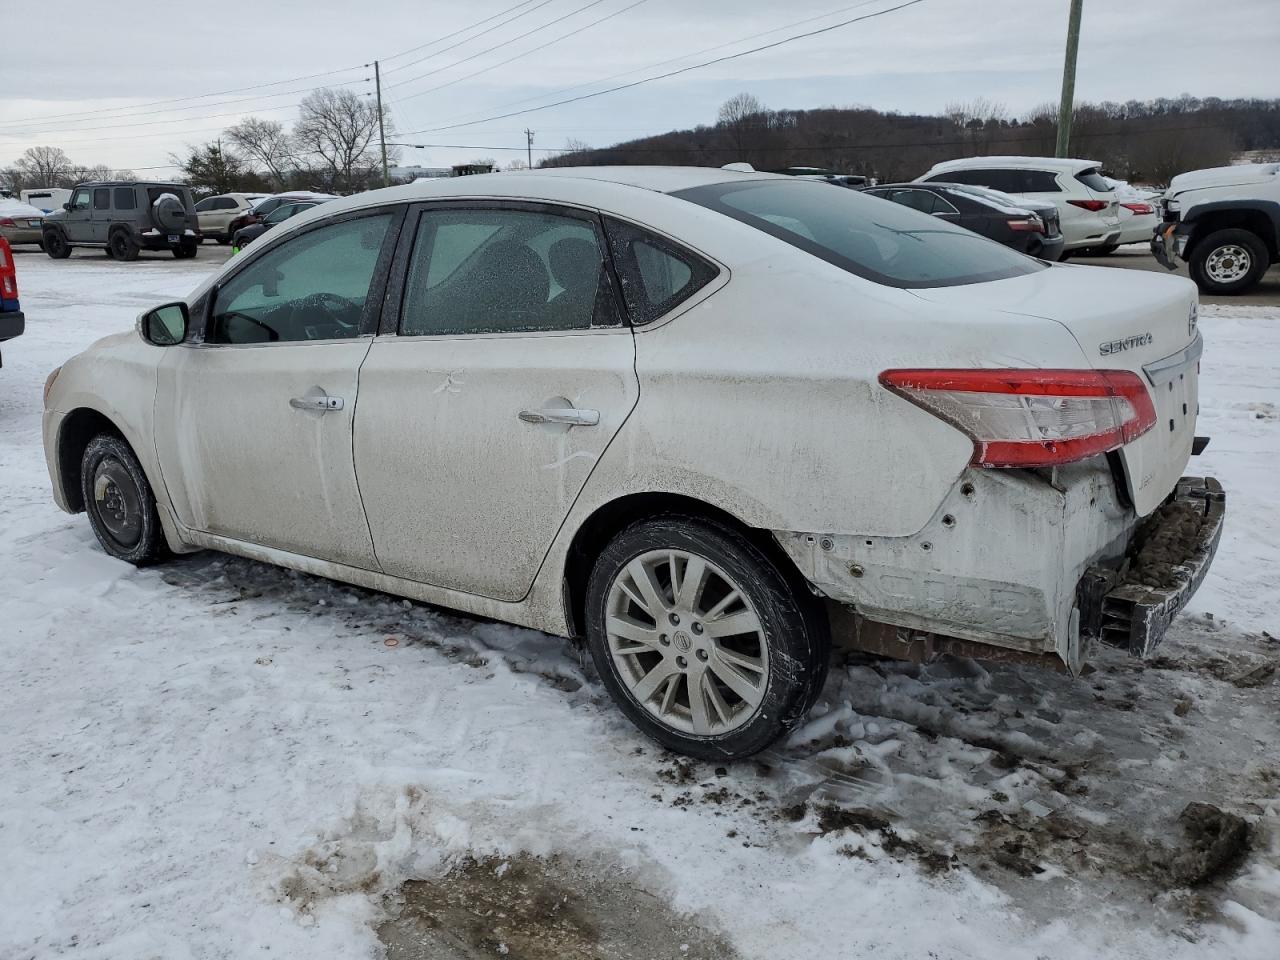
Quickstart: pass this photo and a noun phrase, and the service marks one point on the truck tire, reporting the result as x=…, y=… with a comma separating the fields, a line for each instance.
x=1228, y=261
x=122, y=246
x=707, y=643
x=55, y=245
x=119, y=501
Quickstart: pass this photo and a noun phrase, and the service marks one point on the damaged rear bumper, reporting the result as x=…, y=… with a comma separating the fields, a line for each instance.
x=1131, y=605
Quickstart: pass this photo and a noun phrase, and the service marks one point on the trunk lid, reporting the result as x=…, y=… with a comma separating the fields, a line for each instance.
x=1121, y=320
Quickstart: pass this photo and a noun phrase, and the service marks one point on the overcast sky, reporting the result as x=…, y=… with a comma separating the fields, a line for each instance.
x=107, y=65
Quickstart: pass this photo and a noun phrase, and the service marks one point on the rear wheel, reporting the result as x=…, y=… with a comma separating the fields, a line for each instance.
x=122, y=246
x=186, y=250
x=1228, y=261
x=119, y=501
x=55, y=245
x=702, y=639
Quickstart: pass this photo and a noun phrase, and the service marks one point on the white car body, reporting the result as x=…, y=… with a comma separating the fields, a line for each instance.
x=1139, y=212
x=1057, y=181
x=47, y=199
x=216, y=213
x=1224, y=222
x=758, y=398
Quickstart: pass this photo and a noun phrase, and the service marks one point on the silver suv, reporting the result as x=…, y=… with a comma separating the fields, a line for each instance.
x=125, y=217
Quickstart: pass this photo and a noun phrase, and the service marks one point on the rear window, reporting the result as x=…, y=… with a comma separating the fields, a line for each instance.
x=124, y=198
x=1094, y=180
x=884, y=242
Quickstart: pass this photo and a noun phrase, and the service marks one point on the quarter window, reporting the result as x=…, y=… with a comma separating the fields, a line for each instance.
x=476, y=271
x=313, y=286
x=657, y=275
x=102, y=199
x=125, y=198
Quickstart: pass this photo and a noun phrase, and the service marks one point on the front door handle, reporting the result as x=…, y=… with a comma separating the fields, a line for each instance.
x=570, y=415
x=323, y=404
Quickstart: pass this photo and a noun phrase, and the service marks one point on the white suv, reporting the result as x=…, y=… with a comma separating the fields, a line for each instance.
x=1087, y=206
x=216, y=213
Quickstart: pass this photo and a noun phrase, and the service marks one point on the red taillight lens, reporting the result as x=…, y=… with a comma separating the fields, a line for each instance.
x=8, y=275
x=7, y=222
x=1139, y=208
x=1094, y=205
x=1032, y=418
x=1026, y=225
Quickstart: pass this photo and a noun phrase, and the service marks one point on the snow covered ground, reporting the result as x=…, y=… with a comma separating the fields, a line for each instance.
x=214, y=758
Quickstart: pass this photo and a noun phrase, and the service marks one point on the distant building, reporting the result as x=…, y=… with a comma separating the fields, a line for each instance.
x=411, y=173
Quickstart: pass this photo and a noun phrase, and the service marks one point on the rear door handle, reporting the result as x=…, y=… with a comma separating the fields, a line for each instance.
x=570, y=415
x=322, y=404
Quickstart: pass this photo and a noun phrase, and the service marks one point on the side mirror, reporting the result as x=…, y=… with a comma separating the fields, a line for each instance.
x=165, y=325
x=67, y=205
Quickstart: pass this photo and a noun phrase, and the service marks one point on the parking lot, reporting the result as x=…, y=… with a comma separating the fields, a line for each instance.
x=149, y=716
x=1138, y=257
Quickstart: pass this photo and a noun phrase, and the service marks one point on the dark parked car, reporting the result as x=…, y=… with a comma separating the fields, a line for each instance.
x=125, y=217
x=1026, y=225
x=246, y=235
x=258, y=212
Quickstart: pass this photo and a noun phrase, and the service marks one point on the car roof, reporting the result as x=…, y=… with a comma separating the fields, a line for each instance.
x=1062, y=164
x=134, y=183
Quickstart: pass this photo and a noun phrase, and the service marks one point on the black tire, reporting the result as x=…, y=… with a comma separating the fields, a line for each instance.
x=1103, y=251
x=119, y=501
x=55, y=245
x=794, y=627
x=122, y=246
x=1207, y=247
x=186, y=250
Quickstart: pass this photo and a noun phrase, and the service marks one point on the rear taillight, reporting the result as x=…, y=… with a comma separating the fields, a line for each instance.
x=1026, y=225
x=1094, y=205
x=8, y=275
x=1032, y=418
x=7, y=222
x=1139, y=208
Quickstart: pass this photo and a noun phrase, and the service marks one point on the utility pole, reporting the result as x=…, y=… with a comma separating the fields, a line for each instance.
x=1068, y=80
x=528, y=137
x=382, y=135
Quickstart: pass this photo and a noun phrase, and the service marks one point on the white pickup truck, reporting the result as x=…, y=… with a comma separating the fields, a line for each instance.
x=1224, y=223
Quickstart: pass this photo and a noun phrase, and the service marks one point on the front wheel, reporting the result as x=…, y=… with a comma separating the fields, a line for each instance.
x=1228, y=261
x=702, y=639
x=55, y=245
x=119, y=501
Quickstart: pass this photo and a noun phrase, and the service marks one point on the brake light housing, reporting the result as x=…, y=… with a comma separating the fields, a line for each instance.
x=1092, y=205
x=1026, y=225
x=1140, y=209
x=1032, y=418
x=8, y=278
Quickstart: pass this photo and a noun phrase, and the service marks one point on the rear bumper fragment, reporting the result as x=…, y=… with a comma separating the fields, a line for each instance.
x=1132, y=605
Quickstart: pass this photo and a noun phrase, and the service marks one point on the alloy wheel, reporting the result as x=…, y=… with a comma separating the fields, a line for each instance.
x=686, y=642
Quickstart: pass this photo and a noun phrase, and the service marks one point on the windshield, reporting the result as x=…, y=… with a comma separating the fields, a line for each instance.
x=884, y=242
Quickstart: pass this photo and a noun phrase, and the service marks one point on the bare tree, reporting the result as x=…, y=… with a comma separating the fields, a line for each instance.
x=336, y=129
x=743, y=117
x=213, y=169
x=45, y=166
x=268, y=143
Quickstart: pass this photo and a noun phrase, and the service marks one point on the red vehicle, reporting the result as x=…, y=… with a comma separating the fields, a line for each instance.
x=12, y=321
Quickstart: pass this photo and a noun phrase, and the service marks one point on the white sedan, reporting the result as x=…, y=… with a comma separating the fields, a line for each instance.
x=703, y=419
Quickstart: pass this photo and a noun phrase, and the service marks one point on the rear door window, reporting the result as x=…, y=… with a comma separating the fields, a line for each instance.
x=102, y=199
x=488, y=270
x=885, y=243
x=1039, y=181
x=1094, y=180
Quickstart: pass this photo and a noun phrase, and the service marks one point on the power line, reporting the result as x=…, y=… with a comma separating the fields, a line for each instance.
x=673, y=73
x=94, y=114
x=497, y=46
x=518, y=56
x=450, y=36
x=454, y=46
x=211, y=116
x=695, y=53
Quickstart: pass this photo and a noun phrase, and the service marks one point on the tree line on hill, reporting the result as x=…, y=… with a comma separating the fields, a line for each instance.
x=1141, y=141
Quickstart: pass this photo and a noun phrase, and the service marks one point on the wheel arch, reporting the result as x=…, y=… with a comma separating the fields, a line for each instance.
x=1261, y=218
x=77, y=429
x=610, y=519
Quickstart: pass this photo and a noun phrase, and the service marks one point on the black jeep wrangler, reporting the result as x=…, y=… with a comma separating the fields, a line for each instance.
x=125, y=217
